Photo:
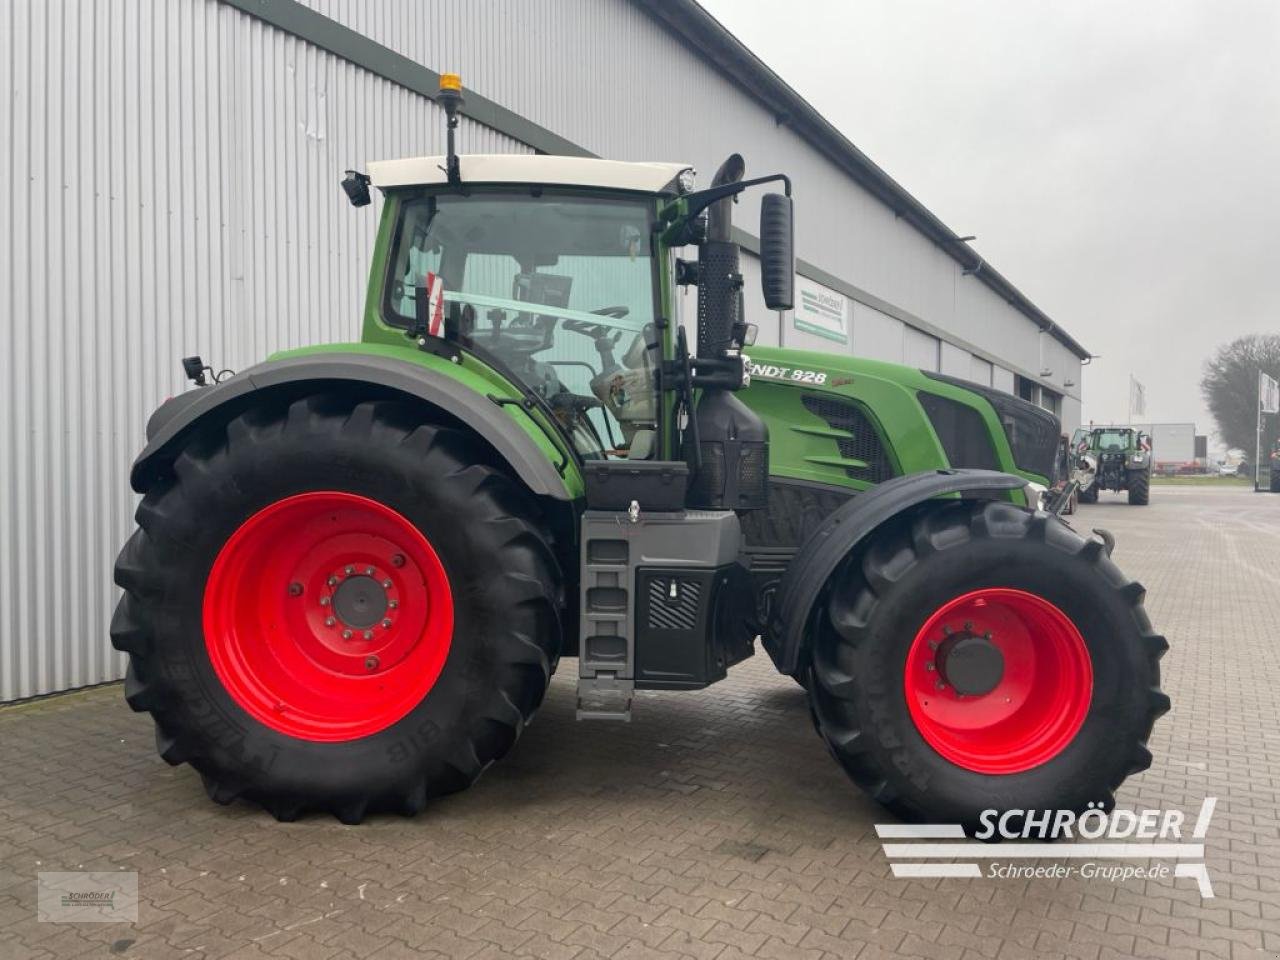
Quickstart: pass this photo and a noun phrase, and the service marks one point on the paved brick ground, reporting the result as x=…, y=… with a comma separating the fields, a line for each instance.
x=714, y=826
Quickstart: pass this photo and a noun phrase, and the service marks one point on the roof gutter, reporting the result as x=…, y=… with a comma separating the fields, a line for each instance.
x=707, y=38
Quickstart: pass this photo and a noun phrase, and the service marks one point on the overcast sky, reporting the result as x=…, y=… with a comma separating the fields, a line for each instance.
x=1118, y=161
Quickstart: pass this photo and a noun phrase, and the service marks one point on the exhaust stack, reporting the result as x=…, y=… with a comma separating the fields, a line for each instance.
x=731, y=463
x=719, y=280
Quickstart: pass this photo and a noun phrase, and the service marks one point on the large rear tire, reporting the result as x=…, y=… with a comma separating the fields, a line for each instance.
x=977, y=655
x=1139, y=488
x=337, y=605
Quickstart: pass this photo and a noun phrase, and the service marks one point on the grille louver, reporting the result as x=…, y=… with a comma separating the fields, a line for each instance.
x=863, y=443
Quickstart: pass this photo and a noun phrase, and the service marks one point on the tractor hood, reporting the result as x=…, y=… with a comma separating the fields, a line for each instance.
x=1028, y=433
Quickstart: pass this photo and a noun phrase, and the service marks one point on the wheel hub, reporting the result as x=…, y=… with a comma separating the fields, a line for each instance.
x=360, y=602
x=971, y=664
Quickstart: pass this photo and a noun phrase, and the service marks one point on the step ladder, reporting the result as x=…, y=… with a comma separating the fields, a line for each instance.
x=606, y=642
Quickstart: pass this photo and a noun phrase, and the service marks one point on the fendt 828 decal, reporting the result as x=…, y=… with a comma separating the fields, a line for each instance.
x=771, y=371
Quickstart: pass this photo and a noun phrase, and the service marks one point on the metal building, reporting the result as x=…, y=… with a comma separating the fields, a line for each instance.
x=170, y=187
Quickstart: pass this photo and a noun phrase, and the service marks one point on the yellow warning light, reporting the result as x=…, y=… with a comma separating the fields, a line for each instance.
x=451, y=81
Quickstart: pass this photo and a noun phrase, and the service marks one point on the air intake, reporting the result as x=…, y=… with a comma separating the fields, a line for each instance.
x=863, y=443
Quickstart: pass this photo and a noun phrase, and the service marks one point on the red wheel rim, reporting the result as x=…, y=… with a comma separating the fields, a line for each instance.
x=1038, y=703
x=327, y=616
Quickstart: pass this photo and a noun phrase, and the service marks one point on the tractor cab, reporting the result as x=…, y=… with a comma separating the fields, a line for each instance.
x=559, y=289
x=559, y=274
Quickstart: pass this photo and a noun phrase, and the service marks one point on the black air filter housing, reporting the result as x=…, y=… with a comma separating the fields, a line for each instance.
x=734, y=447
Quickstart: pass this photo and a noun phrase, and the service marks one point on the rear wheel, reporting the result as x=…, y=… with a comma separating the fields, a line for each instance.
x=337, y=605
x=1089, y=494
x=1139, y=488
x=977, y=655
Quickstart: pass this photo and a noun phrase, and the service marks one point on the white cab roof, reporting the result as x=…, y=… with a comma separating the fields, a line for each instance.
x=520, y=168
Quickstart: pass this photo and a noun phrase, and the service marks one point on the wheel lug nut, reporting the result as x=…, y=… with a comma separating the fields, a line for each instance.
x=397, y=560
x=349, y=571
x=333, y=581
x=393, y=604
x=368, y=634
x=346, y=634
x=324, y=601
x=386, y=624
x=940, y=685
x=371, y=663
x=930, y=666
x=368, y=571
x=295, y=589
x=987, y=636
x=386, y=584
x=329, y=621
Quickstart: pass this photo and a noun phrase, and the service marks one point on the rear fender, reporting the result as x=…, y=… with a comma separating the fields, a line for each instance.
x=174, y=421
x=843, y=530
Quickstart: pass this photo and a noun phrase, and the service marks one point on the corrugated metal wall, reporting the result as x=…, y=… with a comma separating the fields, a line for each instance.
x=168, y=186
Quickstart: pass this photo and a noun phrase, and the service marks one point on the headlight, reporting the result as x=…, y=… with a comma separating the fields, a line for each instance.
x=685, y=179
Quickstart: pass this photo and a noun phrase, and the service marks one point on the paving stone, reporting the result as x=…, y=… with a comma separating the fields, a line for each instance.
x=714, y=826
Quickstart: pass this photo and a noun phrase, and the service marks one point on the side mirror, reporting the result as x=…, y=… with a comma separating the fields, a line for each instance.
x=777, y=251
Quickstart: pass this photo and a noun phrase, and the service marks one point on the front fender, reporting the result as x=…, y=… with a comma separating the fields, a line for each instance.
x=843, y=530
x=168, y=427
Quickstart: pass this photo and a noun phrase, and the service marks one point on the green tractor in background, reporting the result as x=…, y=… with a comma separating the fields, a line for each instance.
x=1114, y=458
x=1273, y=473
x=357, y=565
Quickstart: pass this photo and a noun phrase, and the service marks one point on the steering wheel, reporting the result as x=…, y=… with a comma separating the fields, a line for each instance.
x=523, y=335
x=616, y=312
x=597, y=331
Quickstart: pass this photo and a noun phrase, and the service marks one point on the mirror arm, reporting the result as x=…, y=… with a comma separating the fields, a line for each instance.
x=697, y=202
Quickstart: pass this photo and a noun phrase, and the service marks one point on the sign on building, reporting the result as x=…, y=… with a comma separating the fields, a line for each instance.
x=821, y=311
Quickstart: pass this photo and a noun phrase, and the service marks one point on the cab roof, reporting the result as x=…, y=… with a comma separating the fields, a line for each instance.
x=532, y=169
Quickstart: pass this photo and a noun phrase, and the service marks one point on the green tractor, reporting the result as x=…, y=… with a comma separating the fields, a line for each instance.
x=358, y=565
x=1273, y=473
x=1114, y=458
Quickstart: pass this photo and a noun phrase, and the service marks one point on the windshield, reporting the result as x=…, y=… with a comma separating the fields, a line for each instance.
x=1111, y=439
x=558, y=289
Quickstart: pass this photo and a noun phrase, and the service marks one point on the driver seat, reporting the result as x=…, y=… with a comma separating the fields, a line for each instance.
x=642, y=445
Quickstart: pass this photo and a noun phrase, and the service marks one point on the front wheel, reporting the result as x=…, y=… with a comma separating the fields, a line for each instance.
x=978, y=655
x=1139, y=488
x=1089, y=494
